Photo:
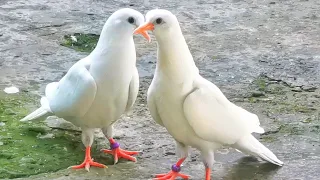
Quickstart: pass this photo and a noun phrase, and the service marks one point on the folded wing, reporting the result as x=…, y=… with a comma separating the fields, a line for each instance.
x=73, y=95
x=214, y=118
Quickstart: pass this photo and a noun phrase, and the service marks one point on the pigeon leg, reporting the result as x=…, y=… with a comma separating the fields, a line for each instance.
x=87, y=139
x=174, y=173
x=208, y=171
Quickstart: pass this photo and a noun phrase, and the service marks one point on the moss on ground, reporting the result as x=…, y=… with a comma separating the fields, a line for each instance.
x=292, y=129
x=279, y=97
x=268, y=138
x=81, y=42
x=22, y=150
x=261, y=83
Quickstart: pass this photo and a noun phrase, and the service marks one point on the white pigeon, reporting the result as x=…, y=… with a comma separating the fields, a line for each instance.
x=99, y=88
x=193, y=110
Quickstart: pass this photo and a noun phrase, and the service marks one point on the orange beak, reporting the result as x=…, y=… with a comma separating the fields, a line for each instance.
x=143, y=30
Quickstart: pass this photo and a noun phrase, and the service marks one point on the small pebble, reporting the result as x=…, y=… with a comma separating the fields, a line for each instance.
x=296, y=89
x=309, y=88
x=169, y=153
x=11, y=90
x=47, y=136
x=73, y=38
x=257, y=94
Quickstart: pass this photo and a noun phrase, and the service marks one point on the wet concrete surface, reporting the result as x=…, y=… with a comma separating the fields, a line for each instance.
x=234, y=43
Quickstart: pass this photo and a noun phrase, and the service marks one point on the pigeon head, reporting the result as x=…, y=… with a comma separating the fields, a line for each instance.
x=162, y=22
x=124, y=20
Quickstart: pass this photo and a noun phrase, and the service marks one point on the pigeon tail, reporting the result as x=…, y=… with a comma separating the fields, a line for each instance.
x=249, y=144
x=41, y=113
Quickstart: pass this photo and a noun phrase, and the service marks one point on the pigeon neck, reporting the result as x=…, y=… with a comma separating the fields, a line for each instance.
x=112, y=37
x=174, y=57
x=114, y=42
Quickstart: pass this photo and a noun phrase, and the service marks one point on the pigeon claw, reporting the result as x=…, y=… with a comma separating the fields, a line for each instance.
x=172, y=175
x=88, y=161
x=87, y=164
x=119, y=153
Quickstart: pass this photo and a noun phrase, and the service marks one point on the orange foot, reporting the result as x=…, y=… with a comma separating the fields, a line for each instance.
x=117, y=152
x=88, y=161
x=174, y=173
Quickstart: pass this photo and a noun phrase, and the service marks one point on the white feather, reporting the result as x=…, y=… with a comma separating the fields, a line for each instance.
x=250, y=145
x=39, y=114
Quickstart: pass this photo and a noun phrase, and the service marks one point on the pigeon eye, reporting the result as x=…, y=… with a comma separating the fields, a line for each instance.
x=159, y=20
x=131, y=20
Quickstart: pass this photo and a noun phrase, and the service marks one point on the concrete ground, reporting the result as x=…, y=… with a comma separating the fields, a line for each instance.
x=264, y=55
